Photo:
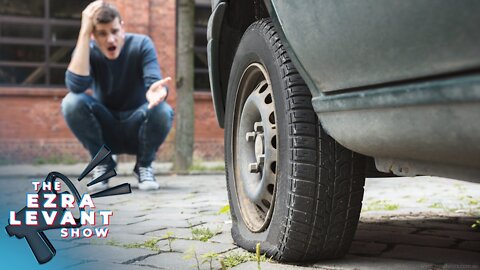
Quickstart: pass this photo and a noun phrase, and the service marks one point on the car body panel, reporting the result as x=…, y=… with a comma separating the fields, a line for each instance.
x=213, y=38
x=351, y=44
x=395, y=80
x=428, y=128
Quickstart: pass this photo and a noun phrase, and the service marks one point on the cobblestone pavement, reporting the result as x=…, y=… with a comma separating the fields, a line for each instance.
x=406, y=223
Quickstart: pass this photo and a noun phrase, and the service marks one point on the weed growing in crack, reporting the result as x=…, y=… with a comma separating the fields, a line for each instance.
x=257, y=253
x=203, y=234
x=380, y=205
x=191, y=195
x=222, y=263
x=224, y=210
x=227, y=260
x=191, y=253
x=148, y=244
x=471, y=201
x=112, y=242
x=476, y=225
x=436, y=205
x=208, y=258
x=233, y=259
x=421, y=200
x=170, y=238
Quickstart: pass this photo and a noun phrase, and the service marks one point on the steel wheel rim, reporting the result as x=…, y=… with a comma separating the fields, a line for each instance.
x=255, y=148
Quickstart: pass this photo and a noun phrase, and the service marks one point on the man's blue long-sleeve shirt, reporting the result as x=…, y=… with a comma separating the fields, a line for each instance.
x=120, y=84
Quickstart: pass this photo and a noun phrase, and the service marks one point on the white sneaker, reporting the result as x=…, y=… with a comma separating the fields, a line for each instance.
x=97, y=172
x=146, y=178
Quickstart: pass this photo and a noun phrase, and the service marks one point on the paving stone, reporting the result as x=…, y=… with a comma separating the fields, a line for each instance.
x=467, y=220
x=189, y=212
x=399, y=238
x=184, y=233
x=60, y=261
x=115, y=220
x=186, y=200
x=200, y=247
x=183, y=205
x=166, y=216
x=169, y=260
x=224, y=237
x=115, y=200
x=155, y=225
x=122, y=239
x=130, y=214
x=372, y=263
x=149, y=226
x=208, y=198
x=271, y=266
x=378, y=226
x=467, y=234
x=105, y=266
x=210, y=218
x=58, y=241
x=215, y=227
x=205, y=211
x=110, y=254
x=61, y=245
x=456, y=266
x=470, y=245
x=432, y=254
x=423, y=222
x=366, y=248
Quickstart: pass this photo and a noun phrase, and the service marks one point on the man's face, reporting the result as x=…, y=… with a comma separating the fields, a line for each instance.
x=110, y=38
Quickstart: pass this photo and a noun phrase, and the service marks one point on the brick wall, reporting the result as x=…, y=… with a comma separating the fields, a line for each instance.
x=32, y=127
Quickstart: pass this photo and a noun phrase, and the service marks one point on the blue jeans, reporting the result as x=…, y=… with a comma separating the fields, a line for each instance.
x=139, y=131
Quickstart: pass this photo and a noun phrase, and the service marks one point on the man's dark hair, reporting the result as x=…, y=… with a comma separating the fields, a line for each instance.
x=107, y=13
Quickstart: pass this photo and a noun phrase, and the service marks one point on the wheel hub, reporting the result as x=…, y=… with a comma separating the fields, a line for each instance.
x=255, y=149
x=258, y=138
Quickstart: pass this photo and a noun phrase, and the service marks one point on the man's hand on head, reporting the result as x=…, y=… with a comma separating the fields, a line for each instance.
x=157, y=92
x=88, y=17
x=80, y=63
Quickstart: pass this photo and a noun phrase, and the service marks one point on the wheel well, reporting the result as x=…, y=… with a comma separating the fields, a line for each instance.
x=239, y=15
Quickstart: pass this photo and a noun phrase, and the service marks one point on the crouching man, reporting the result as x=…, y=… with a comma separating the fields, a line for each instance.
x=127, y=110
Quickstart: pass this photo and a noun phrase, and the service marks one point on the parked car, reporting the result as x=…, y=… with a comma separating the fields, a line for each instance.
x=313, y=92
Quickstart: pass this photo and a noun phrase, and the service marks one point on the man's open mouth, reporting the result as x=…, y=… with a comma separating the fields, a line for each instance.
x=112, y=48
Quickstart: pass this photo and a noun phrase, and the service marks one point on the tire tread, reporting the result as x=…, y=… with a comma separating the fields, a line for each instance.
x=326, y=179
